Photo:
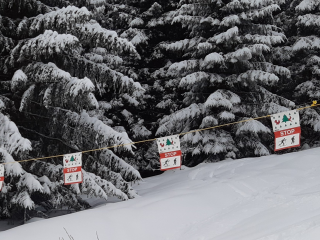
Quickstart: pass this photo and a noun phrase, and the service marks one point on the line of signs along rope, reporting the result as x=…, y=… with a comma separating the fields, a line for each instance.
x=314, y=104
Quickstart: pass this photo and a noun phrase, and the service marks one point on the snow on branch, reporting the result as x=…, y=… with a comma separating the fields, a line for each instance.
x=243, y=54
x=96, y=36
x=45, y=45
x=60, y=20
x=263, y=12
x=309, y=20
x=60, y=89
x=259, y=77
x=90, y=187
x=85, y=132
x=179, y=120
x=183, y=46
x=262, y=39
x=253, y=126
x=10, y=137
x=309, y=42
x=13, y=168
x=310, y=89
x=29, y=181
x=230, y=21
x=23, y=199
x=183, y=68
x=212, y=60
x=112, y=161
x=106, y=78
x=224, y=37
x=198, y=77
x=308, y=6
x=222, y=98
x=310, y=117
x=194, y=10
x=270, y=68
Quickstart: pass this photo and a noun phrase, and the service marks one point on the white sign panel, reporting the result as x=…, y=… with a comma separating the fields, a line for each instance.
x=170, y=162
x=168, y=144
x=285, y=120
x=72, y=168
x=73, y=177
x=1, y=176
x=288, y=141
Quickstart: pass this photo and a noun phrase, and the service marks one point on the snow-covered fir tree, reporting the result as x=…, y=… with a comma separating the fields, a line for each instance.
x=222, y=71
x=62, y=74
x=301, y=56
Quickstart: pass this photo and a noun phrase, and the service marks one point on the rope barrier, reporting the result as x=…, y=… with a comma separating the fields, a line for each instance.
x=314, y=104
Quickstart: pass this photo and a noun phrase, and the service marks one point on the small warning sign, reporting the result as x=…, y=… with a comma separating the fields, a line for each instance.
x=287, y=130
x=72, y=164
x=1, y=176
x=170, y=153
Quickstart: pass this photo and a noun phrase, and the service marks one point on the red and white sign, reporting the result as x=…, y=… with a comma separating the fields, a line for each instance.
x=170, y=153
x=287, y=131
x=72, y=164
x=288, y=138
x=1, y=176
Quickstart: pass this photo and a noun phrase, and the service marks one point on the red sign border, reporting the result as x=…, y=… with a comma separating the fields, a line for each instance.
x=64, y=177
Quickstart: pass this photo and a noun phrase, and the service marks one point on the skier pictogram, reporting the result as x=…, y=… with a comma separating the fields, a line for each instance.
x=283, y=142
x=166, y=163
x=292, y=140
x=175, y=161
x=70, y=178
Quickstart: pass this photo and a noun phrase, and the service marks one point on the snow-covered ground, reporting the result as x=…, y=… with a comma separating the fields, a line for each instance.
x=267, y=198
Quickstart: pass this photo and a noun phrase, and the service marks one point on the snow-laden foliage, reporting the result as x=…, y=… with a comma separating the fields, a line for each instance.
x=10, y=137
x=258, y=76
x=58, y=87
x=55, y=58
x=222, y=98
x=307, y=43
x=308, y=5
x=180, y=120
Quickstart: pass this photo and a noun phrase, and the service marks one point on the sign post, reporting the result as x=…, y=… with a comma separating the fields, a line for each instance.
x=72, y=164
x=287, y=130
x=170, y=152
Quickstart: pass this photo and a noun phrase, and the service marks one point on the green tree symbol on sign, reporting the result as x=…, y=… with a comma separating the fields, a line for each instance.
x=72, y=159
x=168, y=142
x=285, y=119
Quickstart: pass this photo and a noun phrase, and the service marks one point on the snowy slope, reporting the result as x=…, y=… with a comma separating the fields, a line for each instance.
x=267, y=198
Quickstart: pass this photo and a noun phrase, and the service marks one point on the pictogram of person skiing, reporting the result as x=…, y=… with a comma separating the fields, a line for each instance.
x=166, y=163
x=175, y=161
x=70, y=178
x=283, y=142
x=292, y=140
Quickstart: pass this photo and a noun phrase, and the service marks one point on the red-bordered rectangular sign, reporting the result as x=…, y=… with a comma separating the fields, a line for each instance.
x=1, y=176
x=1, y=182
x=72, y=175
x=288, y=138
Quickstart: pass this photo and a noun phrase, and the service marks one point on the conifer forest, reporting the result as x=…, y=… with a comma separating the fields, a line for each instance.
x=77, y=75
